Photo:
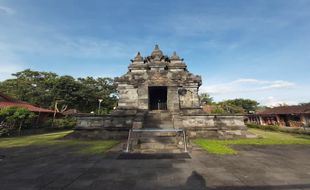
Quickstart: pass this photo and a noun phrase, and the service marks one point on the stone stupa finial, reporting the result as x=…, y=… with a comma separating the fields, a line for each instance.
x=157, y=52
x=175, y=56
x=138, y=57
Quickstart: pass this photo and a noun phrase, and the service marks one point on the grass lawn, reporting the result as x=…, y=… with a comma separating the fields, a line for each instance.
x=268, y=138
x=87, y=146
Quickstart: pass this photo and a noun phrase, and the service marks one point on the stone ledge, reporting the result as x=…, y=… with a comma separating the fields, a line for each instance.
x=78, y=128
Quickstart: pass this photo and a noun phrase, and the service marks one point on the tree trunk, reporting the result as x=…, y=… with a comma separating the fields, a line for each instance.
x=20, y=128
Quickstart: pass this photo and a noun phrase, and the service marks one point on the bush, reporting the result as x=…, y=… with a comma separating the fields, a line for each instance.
x=5, y=130
x=217, y=110
x=66, y=123
x=296, y=130
x=14, y=118
x=264, y=127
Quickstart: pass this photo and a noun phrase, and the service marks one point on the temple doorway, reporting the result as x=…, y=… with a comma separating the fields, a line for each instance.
x=158, y=98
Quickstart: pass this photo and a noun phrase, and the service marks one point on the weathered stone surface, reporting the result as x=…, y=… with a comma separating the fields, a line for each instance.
x=158, y=70
x=159, y=92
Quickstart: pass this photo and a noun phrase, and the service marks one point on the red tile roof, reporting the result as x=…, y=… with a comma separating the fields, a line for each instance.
x=287, y=110
x=6, y=101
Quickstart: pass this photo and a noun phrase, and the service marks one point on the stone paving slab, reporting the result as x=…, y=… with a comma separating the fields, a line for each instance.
x=152, y=156
x=279, y=167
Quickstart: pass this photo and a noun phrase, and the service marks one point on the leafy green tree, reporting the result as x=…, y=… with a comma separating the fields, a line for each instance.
x=67, y=91
x=230, y=108
x=205, y=98
x=95, y=89
x=31, y=86
x=217, y=110
x=15, y=117
x=304, y=104
x=46, y=89
x=240, y=105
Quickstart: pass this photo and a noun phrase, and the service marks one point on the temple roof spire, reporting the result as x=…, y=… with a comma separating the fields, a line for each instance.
x=157, y=52
x=175, y=56
x=138, y=57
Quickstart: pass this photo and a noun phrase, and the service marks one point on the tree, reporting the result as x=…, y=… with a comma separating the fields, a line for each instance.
x=205, y=98
x=304, y=104
x=32, y=86
x=45, y=89
x=15, y=117
x=239, y=104
x=216, y=109
x=67, y=91
x=230, y=108
x=100, y=88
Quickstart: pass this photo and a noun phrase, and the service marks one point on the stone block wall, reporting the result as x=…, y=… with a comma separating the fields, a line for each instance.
x=190, y=99
x=216, y=126
x=172, y=98
x=89, y=122
x=129, y=96
x=196, y=125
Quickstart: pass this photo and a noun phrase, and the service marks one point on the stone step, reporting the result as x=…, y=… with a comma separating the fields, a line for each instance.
x=161, y=126
x=158, y=113
x=149, y=151
x=154, y=134
x=157, y=121
x=157, y=145
x=159, y=116
x=157, y=140
x=158, y=125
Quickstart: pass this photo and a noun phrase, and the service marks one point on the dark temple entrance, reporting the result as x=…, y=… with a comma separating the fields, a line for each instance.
x=158, y=98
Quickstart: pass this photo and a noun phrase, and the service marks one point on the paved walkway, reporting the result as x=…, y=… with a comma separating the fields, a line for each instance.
x=281, y=167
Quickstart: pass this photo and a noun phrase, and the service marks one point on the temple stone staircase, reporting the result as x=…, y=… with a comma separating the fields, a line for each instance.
x=157, y=135
x=158, y=119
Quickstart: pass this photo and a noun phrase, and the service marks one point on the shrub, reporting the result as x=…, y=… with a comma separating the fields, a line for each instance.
x=66, y=123
x=14, y=118
x=264, y=127
x=4, y=129
x=296, y=130
x=217, y=110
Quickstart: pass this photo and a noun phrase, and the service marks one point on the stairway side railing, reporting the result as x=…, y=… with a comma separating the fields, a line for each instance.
x=128, y=140
x=156, y=130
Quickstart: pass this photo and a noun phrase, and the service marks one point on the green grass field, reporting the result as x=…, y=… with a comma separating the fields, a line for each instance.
x=86, y=146
x=268, y=138
x=100, y=146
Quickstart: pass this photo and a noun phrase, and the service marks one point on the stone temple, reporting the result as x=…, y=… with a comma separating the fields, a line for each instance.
x=158, y=82
x=158, y=96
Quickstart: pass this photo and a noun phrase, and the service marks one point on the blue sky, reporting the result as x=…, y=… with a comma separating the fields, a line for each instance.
x=249, y=49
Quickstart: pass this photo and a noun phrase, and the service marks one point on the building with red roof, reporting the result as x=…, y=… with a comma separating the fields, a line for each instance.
x=6, y=101
x=288, y=116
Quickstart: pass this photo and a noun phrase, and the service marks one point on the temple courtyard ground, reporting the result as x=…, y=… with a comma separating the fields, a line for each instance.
x=40, y=162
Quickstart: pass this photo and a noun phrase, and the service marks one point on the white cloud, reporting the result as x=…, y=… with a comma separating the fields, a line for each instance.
x=246, y=85
x=273, y=102
x=6, y=10
x=266, y=92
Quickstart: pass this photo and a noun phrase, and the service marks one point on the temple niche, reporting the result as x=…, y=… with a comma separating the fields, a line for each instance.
x=158, y=82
